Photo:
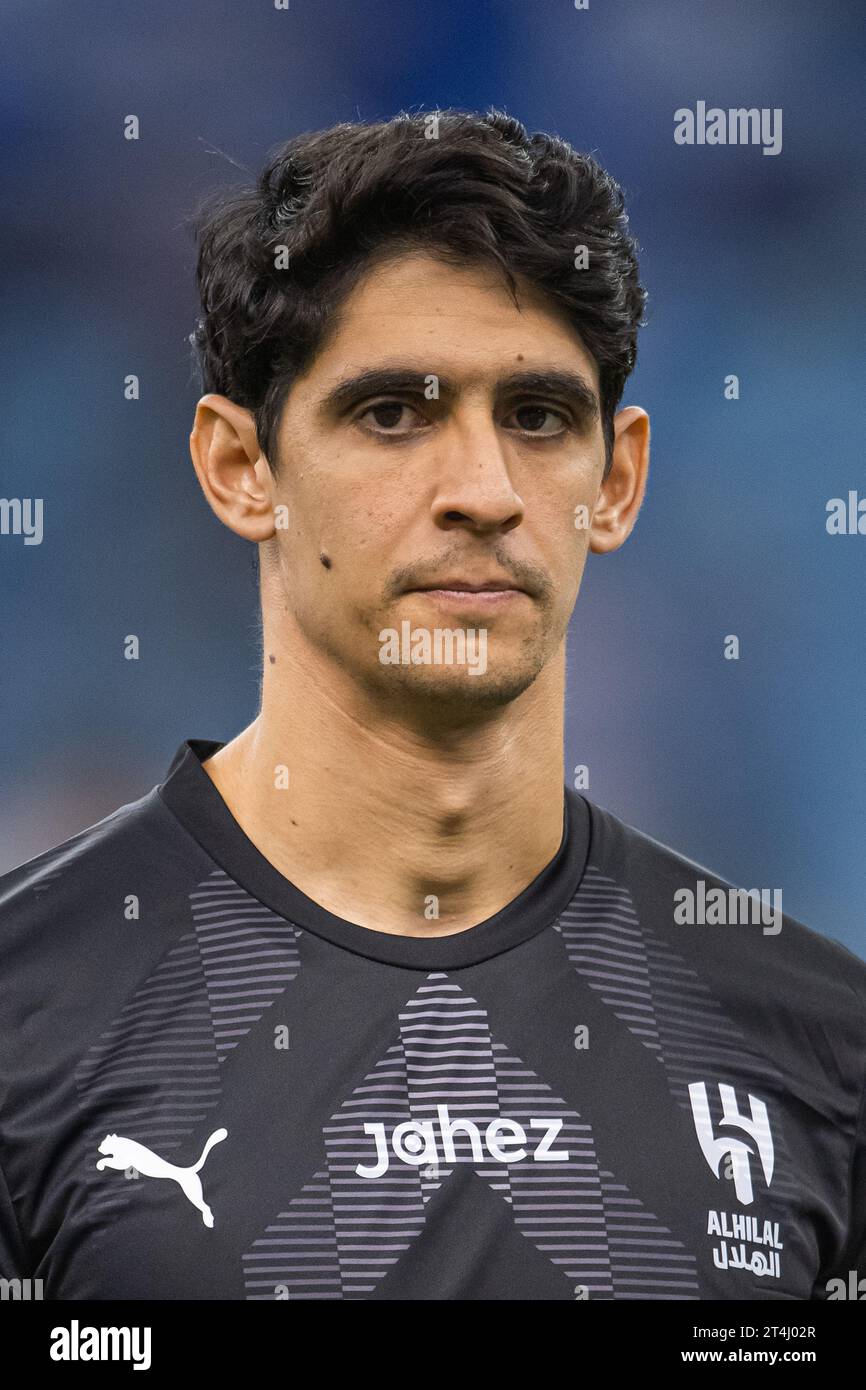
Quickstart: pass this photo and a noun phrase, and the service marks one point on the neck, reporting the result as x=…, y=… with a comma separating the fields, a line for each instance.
x=382, y=821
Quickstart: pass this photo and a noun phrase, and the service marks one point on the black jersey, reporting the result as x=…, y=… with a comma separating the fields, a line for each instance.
x=615, y=1088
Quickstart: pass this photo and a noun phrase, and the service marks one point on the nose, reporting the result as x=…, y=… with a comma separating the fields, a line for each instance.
x=473, y=483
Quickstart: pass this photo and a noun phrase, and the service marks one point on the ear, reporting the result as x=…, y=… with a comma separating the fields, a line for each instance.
x=622, y=491
x=233, y=472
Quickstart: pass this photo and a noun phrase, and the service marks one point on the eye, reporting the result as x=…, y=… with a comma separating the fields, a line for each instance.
x=388, y=415
x=531, y=420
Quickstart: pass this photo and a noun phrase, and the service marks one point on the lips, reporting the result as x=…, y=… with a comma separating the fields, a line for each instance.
x=464, y=586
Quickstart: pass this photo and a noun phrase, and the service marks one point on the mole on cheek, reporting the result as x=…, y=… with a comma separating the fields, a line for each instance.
x=326, y=560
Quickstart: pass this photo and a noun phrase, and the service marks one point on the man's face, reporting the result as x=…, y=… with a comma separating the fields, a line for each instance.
x=415, y=502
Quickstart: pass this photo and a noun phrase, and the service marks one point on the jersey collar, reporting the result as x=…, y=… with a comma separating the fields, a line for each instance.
x=191, y=796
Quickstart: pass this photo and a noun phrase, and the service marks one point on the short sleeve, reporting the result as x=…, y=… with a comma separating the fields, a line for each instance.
x=856, y=1246
x=13, y=1261
x=850, y=1266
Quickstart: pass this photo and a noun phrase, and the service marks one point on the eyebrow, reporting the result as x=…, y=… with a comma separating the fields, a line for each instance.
x=382, y=381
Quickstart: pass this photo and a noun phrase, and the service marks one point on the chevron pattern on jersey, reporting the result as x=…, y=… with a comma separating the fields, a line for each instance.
x=343, y=1232
x=154, y=1074
x=248, y=955
x=663, y=1002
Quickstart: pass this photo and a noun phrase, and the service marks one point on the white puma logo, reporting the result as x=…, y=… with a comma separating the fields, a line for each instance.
x=128, y=1153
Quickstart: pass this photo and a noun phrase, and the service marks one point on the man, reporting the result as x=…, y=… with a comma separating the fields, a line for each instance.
x=364, y=1004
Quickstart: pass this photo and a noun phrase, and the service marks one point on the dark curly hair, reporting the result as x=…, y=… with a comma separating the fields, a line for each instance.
x=464, y=186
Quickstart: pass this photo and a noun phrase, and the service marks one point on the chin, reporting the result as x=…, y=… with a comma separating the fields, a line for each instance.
x=452, y=692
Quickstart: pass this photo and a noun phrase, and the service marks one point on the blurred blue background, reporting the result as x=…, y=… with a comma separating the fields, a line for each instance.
x=754, y=264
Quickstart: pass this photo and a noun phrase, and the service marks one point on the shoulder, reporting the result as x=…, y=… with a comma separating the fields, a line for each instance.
x=731, y=930
x=80, y=867
x=69, y=916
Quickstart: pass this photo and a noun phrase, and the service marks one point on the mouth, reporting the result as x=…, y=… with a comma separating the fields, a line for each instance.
x=468, y=586
x=487, y=594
